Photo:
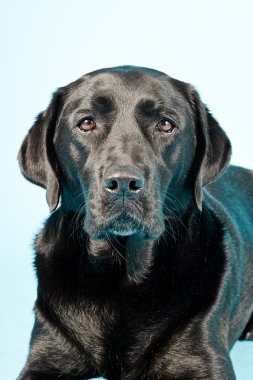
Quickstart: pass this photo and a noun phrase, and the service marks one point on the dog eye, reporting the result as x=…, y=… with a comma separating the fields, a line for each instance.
x=87, y=124
x=165, y=125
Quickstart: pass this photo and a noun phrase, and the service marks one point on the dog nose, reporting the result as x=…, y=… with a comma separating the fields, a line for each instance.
x=125, y=180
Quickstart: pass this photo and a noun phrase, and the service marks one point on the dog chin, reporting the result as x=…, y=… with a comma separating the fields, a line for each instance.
x=115, y=228
x=122, y=232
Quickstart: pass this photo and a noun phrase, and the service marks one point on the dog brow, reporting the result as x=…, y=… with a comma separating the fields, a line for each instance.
x=151, y=108
x=103, y=104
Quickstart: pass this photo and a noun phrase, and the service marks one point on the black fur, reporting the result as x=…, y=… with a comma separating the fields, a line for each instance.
x=142, y=272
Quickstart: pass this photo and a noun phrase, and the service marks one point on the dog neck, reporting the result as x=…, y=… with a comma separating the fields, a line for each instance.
x=136, y=256
x=129, y=259
x=133, y=254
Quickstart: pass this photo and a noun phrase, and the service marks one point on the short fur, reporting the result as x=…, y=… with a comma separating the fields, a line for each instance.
x=145, y=268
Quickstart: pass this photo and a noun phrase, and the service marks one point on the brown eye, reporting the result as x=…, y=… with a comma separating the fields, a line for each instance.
x=165, y=125
x=87, y=124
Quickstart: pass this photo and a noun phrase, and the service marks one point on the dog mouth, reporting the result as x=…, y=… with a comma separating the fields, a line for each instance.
x=123, y=223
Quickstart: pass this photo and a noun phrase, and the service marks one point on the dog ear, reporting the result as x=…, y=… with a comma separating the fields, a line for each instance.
x=37, y=157
x=213, y=150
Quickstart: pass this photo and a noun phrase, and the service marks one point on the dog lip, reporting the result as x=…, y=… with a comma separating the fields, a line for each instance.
x=122, y=214
x=124, y=218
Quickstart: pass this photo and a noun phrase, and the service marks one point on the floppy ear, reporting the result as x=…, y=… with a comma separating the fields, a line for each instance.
x=37, y=158
x=213, y=149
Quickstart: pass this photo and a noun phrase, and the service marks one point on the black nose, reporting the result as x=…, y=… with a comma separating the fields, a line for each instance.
x=127, y=180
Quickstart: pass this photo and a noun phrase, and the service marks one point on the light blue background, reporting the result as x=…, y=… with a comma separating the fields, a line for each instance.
x=48, y=43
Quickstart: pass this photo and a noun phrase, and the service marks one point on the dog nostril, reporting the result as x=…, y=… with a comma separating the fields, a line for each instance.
x=134, y=185
x=112, y=185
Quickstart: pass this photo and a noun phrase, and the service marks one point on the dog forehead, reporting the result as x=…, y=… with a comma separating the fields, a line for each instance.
x=126, y=75
x=123, y=83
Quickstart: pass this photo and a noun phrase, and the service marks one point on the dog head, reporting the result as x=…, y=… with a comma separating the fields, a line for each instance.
x=127, y=147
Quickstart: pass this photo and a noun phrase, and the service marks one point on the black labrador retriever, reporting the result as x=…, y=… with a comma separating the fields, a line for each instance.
x=145, y=269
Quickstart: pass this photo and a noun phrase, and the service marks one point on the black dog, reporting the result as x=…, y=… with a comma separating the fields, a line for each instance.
x=142, y=273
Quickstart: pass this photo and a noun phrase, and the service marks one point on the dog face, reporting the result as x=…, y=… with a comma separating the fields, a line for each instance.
x=125, y=140
x=126, y=147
